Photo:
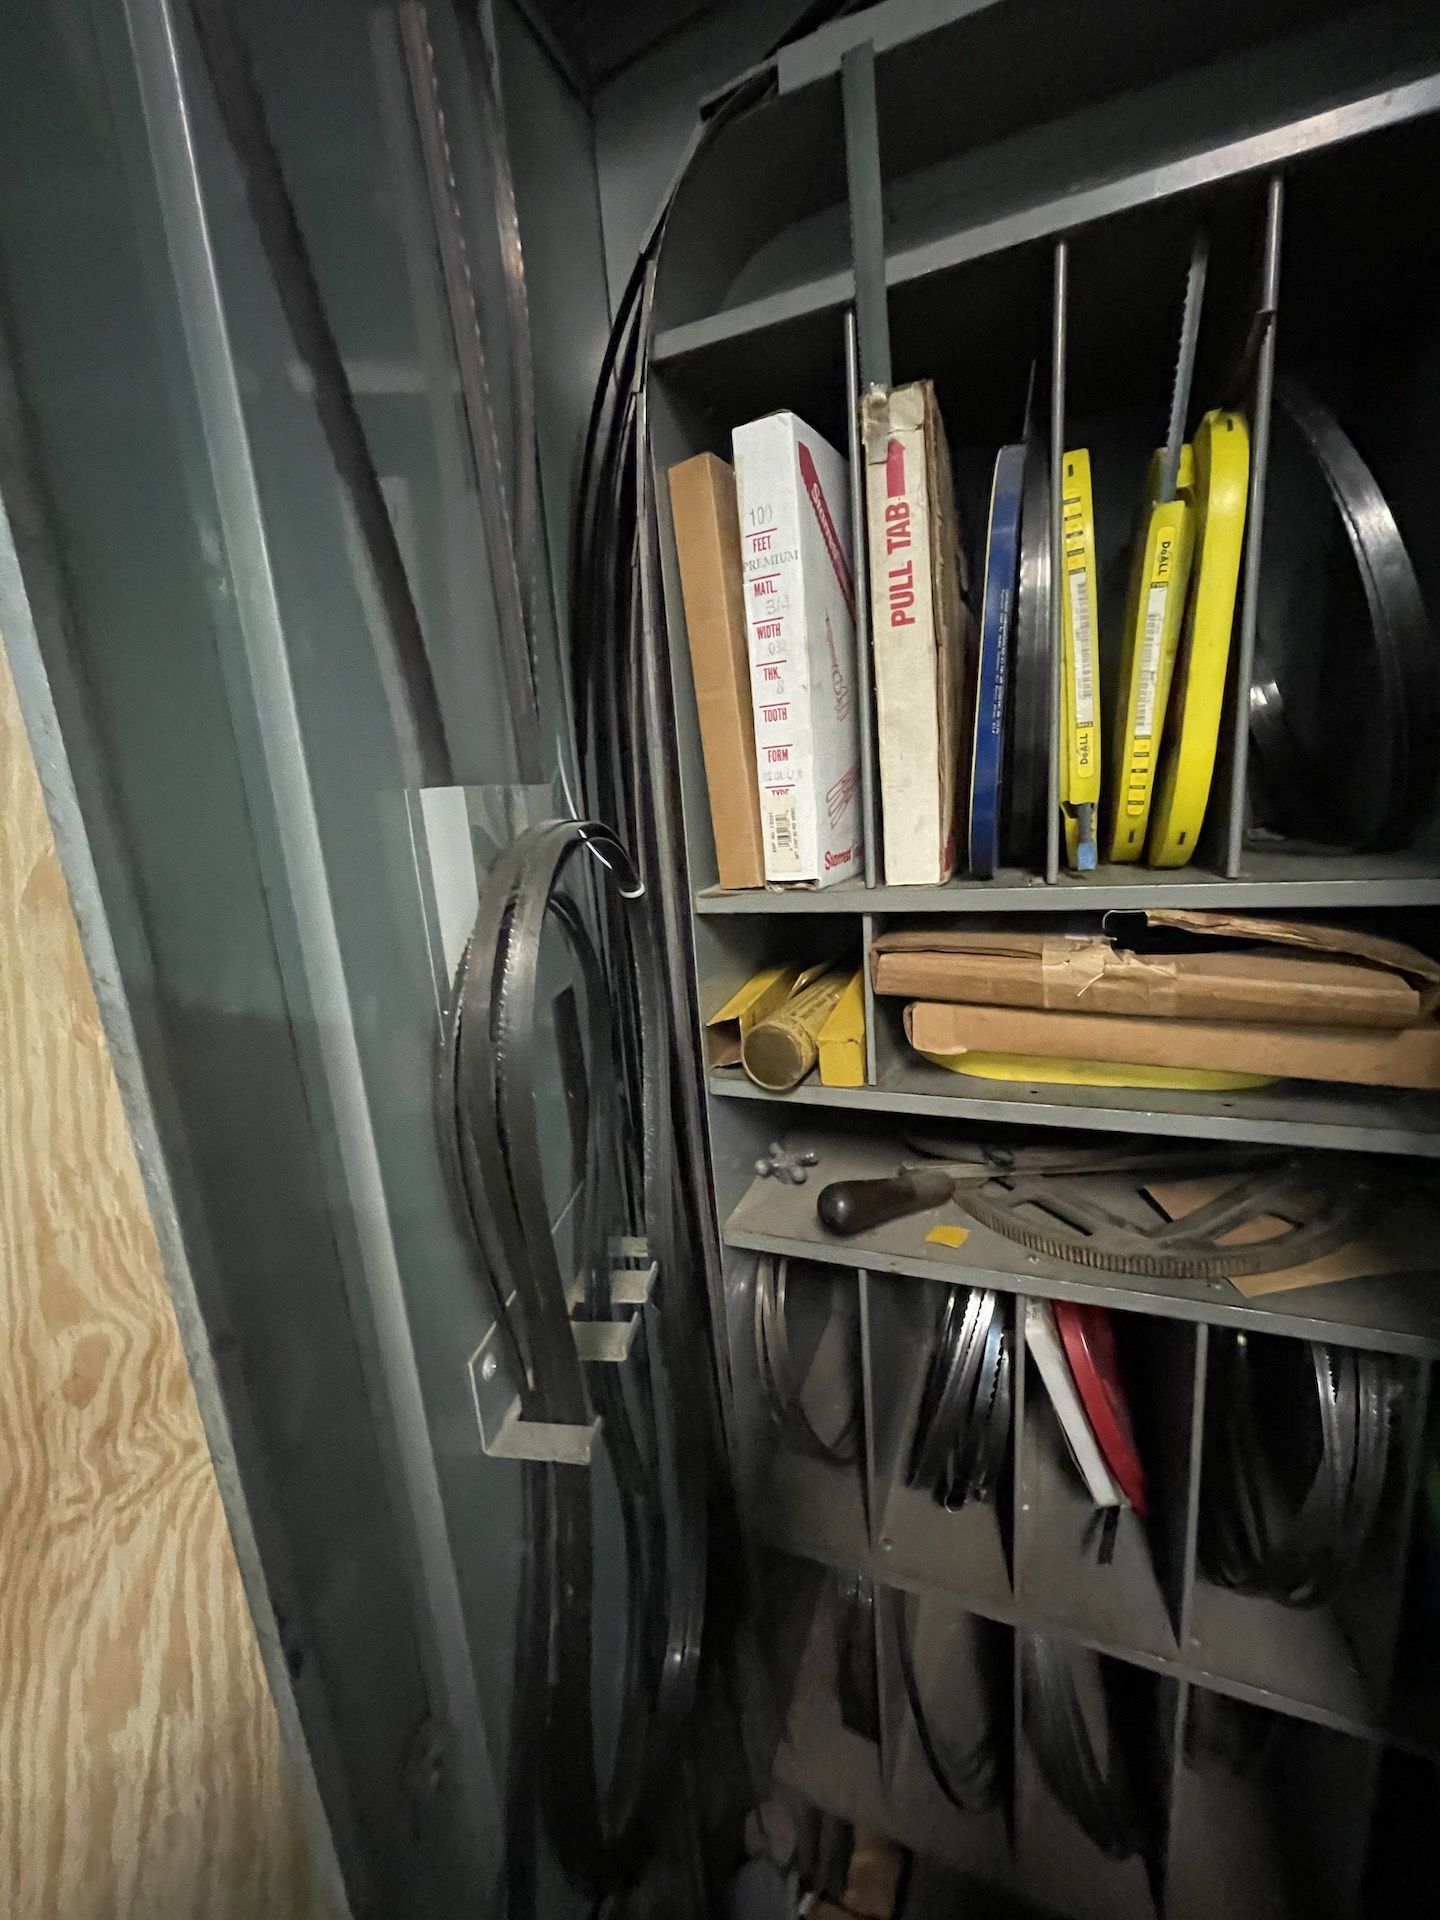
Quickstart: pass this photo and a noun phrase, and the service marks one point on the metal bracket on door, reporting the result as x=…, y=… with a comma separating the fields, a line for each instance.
x=632, y=1271
x=504, y=1433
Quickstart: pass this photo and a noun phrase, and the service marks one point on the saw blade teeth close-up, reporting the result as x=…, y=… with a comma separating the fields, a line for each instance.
x=1117, y=1225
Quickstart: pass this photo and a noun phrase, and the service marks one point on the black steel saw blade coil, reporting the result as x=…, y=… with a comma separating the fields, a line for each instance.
x=1271, y=1522
x=490, y=1080
x=962, y=1429
x=780, y=1391
x=1097, y=1797
x=967, y=1779
x=856, y=1673
x=1345, y=692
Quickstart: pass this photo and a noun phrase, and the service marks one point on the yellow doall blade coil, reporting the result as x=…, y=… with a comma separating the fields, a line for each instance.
x=1187, y=763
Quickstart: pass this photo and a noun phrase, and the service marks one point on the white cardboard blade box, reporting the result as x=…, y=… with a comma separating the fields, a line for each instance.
x=919, y=627
x=800, y=618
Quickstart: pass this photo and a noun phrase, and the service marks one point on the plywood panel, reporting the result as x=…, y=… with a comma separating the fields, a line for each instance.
x=141, y=1772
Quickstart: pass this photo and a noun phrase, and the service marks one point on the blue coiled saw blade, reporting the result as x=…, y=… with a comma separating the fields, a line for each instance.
x=997, y=619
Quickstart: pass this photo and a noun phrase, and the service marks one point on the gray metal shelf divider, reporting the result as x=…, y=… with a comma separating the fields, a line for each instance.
x=889, y=1685
x=1192, y=1504
x=889, y=24
x=1060, y=320
x=867, y=364
x=867, y=212
x=1017, y=1461
x=867, y=935
x=1177, y=1767
x=860, y=572
x=1239, y=700
x=1373, y=1732
x=874, y=1495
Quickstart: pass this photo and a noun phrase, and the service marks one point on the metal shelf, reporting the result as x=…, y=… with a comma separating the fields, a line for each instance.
x=1026, y=187
x=1395, y=1314
x=1174, y=1665
x=1295, y=1114
x=1273, y=881
x=827, y=294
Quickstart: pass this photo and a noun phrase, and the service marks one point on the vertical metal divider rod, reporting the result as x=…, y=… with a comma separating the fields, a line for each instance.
x=860, y=572
x=1193, y=1489
x=867, y=935
x=1059, y=342
x=867, y=212
x=1254, y=529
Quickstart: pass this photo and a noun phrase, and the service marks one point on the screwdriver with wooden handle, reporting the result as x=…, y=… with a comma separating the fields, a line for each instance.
x=848, y=1207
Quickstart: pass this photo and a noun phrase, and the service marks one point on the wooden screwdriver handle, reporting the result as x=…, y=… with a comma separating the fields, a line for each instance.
x=855, y=1206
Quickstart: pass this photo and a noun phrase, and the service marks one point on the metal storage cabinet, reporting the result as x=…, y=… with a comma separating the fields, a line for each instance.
x=933, y=187
x=959, y=191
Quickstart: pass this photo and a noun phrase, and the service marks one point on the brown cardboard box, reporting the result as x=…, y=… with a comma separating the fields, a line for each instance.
x=872, y=1885
x=1251, y=969
x=1356, y=1056
x=707, y=542
x=872, y=1882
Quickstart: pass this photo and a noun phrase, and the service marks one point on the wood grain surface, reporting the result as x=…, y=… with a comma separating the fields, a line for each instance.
x=141, y=1772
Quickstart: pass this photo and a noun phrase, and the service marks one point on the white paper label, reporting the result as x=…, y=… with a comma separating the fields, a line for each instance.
x=1082, y=656
x=782, y=830
x=1150, y=659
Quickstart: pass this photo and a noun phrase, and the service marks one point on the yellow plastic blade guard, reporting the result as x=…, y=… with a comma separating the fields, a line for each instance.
x=1159, y=576
x=1079, y=668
